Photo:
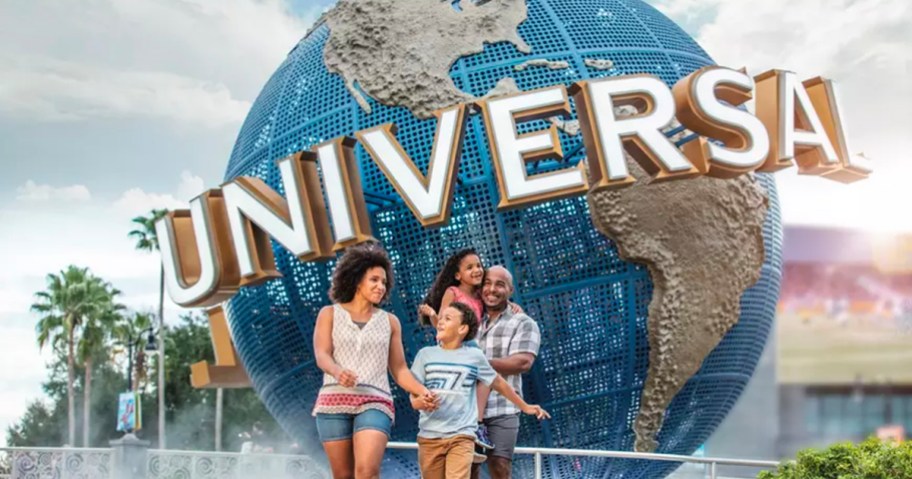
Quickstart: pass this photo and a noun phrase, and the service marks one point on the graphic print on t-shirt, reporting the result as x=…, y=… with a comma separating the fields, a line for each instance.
x=450, y=378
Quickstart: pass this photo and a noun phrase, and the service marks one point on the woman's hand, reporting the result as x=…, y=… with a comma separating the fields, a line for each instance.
x=515, y=308
x=346, y=378
x=420, y=403
x=430, y=399
x=537, y=411
x=425, y=402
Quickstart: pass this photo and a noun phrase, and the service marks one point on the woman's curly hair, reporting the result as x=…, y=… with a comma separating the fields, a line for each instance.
x=352, y=267
x=468, y=318
x=445, y=278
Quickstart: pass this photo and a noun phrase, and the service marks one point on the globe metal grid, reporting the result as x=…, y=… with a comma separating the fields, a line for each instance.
x=591, y=305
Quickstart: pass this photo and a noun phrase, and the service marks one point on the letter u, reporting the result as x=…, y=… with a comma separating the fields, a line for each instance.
x=197, y=254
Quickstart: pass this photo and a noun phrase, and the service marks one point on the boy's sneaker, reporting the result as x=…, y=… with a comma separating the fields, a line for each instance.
x=481, y=437
x=479, y=456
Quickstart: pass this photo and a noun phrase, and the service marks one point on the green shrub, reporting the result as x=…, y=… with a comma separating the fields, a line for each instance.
x=872, y=459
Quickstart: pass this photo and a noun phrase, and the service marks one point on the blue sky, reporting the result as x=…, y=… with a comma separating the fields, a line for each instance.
x=111, y=107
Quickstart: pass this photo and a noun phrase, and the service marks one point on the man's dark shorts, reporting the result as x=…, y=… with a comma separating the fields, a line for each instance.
x=503, y=430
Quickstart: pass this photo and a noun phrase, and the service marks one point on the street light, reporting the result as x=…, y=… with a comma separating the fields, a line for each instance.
x=151, y=346
x=124, y=412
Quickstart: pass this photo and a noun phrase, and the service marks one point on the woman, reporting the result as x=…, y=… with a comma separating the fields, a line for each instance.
x=355, y=344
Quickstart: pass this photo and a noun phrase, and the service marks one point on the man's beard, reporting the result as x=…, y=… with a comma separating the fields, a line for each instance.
x=497, y=307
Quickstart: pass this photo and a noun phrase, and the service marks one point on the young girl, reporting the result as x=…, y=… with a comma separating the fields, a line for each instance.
x=459, y=282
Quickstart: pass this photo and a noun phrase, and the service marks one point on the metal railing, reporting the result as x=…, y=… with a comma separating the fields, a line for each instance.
x=79, y=463
x=60, y=463
x=538, y=453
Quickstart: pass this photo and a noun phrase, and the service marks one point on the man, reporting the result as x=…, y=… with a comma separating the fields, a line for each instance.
x=510, y=341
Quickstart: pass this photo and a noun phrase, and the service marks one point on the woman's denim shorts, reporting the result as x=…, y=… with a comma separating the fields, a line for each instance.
x=339, y=427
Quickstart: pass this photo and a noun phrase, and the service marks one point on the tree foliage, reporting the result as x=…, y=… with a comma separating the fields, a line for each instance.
x=871, y=459
x=77, y=310
x=88, y=334
x=144, y=234
x=190, y=413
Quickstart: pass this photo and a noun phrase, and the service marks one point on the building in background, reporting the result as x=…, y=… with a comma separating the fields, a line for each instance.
x=844, y=337
x=839, y=364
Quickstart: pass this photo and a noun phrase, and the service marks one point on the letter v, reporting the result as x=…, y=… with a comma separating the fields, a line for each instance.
x=429, y=197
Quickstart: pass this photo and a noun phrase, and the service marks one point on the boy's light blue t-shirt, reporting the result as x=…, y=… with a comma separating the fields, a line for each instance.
x=452, y=375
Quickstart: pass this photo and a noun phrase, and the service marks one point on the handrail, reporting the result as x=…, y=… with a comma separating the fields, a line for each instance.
x=538, y=452
x=184, y=452
x=57, y=449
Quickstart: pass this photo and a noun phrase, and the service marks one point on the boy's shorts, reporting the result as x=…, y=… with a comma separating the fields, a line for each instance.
x=446, y=458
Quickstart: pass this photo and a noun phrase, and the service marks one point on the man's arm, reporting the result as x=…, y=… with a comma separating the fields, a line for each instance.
x=518, y=363
x=524, y=347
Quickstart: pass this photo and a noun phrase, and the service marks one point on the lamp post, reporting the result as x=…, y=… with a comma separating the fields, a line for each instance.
x=151, y=346
x=131, y=343
x=161, y=371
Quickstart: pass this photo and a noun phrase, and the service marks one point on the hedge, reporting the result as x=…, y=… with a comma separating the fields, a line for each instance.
x=871, y=459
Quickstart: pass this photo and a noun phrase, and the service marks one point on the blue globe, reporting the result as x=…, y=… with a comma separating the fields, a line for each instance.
x=595, y=352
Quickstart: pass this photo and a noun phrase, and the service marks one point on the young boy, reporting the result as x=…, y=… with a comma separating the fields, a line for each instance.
x=446, y=434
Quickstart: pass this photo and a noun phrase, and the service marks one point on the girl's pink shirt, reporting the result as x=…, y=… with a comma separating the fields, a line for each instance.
x=472, y=301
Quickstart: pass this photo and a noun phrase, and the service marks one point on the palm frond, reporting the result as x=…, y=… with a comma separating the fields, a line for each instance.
x=145, y=235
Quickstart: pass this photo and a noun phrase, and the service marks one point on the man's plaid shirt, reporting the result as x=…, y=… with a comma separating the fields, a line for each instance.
x=510, y=334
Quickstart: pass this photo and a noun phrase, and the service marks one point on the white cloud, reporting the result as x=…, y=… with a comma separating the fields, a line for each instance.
x=190, y=186
x=32, y=191
x=863, y=46
x=686, y=12
x=22, y=383
x=14, y=300
x=843, y=39
x=50, y=90
x=875, y=205
x=187, y=61
x=135, y=201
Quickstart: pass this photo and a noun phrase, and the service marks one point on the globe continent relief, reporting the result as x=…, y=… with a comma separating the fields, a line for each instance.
x=601, y=316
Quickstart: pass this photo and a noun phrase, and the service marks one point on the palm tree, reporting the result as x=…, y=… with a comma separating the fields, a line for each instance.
x=96, y=328
x=69, y=298
x=147, y=240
